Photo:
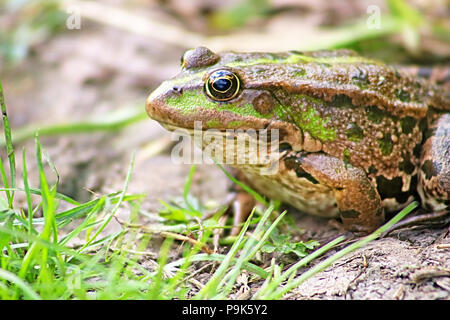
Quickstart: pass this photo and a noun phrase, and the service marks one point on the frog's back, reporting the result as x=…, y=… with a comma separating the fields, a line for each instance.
x=326, y=74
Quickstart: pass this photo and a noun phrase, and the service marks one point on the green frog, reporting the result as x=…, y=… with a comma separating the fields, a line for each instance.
x=356, y=138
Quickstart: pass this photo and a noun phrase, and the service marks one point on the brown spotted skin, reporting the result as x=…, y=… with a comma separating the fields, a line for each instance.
x=361, y=138
x=374, y=140
x=434, y=173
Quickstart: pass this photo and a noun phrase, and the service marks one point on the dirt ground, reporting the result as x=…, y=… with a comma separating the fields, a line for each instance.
x=73, y=72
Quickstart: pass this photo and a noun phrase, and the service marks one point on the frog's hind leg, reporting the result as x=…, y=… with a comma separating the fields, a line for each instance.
x=434, y=173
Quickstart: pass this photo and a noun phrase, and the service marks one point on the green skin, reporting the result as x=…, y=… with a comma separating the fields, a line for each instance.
x=363, y=137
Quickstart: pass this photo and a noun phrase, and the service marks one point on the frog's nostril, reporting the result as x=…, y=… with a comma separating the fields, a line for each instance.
x=177, y=89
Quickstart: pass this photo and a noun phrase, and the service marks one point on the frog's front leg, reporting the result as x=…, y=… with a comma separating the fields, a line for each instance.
x=357, y=198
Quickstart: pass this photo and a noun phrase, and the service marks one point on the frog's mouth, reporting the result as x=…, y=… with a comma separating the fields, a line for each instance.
x=236, y=148
x=268, y=136
x=171, y=127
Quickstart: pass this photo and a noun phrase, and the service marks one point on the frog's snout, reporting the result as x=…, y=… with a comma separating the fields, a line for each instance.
x=155, y=105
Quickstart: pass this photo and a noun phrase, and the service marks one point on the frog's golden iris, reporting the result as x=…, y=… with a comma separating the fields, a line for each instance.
x=222, y=85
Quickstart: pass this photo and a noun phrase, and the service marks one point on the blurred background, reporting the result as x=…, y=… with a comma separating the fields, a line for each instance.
x=80, y=71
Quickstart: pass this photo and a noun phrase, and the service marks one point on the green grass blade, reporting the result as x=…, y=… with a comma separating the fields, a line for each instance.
x=133, y=116
x=25, y=287
x=9, y=145
x=27, y=192
x=38, y=192
x=252, y=245
x=250, y=267
x=85, y=223
x=6, y=188
x=265, y=293
x=187, y=188
x=49, y=207
x=121, y=198
x=155, y=291
x=210, y=289
x=406, y=13
x=323, y=265
x=48, y=197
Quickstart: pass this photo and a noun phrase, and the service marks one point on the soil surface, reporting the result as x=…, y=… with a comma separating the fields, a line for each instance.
x=83, y=74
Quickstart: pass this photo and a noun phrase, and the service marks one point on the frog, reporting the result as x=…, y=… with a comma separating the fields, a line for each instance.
x=358, y=139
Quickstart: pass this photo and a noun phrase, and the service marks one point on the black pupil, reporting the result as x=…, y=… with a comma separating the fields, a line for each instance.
x=222, y=85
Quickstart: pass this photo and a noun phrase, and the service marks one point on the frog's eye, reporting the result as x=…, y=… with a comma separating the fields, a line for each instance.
x=222, y=85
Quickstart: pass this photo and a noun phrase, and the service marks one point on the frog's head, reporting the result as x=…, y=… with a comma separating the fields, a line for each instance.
x=227, y=91
x=215, y=91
